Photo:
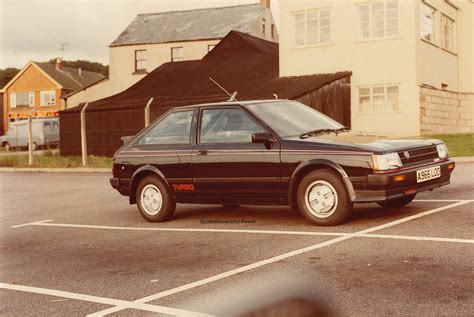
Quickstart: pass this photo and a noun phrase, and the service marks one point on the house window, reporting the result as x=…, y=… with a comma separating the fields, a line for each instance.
x=312, y=27
x=12, y=100
x=20, y=99
x=378, y=19
x=448, y=27
x=273, y=31
x=140, y=61
x=264, y=22
x=48, y=98
x=427, y=24
x=177, y=54
x=31, y=98
x=378, y=99
x=210, y=47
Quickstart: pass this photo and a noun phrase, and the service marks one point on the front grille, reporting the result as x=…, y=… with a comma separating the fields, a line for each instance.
x=419, y=155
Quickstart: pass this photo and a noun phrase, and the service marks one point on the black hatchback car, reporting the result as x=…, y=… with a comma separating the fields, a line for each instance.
x=273, y=152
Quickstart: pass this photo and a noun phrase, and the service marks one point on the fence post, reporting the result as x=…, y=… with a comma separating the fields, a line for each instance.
x=147, y=112
x=30, y=137
x=84, y=135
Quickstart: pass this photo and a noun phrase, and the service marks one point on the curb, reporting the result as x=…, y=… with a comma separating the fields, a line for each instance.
x=463, y=159
x=55, y=170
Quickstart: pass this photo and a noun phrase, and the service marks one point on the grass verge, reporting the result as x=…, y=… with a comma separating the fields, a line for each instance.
x=52, y=160
x=458, y=144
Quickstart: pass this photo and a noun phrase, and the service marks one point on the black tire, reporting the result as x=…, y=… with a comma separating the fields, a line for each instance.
x=34, y=146
x=7, y=146
x=155, y=186
x=337, y=196
x=399, y=202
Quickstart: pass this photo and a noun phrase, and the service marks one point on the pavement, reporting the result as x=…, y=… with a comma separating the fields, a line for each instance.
x=71, y=245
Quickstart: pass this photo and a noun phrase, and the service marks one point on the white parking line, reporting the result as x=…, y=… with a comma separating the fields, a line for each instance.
x=103, y=300
x=282, y=232
x=31, y=223
x=416, y=238
x=277, y=258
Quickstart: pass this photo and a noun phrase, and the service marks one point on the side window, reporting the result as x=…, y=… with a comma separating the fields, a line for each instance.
x=175, y=128
x=227, y=126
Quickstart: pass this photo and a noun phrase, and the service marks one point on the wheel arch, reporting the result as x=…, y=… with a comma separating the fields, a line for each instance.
x=311, y=165
x=138, y=175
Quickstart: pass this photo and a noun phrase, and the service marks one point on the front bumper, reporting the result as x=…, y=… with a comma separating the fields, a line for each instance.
x=382, y=187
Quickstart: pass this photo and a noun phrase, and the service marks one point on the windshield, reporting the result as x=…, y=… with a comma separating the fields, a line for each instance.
x=291, y=118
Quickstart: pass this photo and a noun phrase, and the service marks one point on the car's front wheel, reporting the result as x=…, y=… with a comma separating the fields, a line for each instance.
x=323, y=199
x=399, y=202
x=154, y=200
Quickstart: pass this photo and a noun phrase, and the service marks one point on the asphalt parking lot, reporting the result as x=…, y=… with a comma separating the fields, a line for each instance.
x=71, y=245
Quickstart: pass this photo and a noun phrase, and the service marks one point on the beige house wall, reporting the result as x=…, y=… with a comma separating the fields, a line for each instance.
x=403, y=60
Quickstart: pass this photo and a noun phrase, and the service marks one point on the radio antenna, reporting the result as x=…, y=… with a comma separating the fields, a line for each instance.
x=232, y=96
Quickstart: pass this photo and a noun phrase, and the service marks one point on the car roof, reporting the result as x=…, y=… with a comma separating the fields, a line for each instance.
x=229, y=103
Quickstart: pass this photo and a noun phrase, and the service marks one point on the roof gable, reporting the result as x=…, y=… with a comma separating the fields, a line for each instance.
x=69, y=78
x=209, y=23
x=23, y=70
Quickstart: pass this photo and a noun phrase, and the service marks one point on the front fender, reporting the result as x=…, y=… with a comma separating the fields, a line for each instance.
x=315, y=164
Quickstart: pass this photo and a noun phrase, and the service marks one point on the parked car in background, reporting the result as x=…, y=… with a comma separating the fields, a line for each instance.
x=273, y=152
x=45, y=133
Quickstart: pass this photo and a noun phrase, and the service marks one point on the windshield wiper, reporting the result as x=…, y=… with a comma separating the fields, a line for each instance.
x=322, y=131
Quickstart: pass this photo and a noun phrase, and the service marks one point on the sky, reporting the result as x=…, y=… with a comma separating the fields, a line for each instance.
x=33, y=29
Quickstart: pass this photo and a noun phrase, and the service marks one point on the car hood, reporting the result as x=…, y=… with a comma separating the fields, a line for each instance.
x=366, y=142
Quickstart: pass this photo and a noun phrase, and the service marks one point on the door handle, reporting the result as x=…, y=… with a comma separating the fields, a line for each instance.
x=202, y=152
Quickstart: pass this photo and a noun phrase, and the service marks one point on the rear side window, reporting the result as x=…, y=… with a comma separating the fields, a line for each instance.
x=227, y=126
x=175, y=128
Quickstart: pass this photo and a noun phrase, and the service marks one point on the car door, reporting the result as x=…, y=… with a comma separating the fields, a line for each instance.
x=225, y=162
x=168, y=146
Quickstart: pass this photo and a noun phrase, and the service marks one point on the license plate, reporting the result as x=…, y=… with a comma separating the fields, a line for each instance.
x=427, y=174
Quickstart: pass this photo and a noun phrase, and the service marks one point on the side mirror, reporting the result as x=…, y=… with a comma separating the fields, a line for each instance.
x=265, y=138
x=126, y=139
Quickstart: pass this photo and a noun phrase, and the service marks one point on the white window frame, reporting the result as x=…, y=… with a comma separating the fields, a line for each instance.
x=178, y=58
x=387, y=107
x=12, y=100
x=371, y=20
x=450, y=46
x=31, y=98
x=50, y=93
x=318, y=27
x=140, y=61
x=424, y=25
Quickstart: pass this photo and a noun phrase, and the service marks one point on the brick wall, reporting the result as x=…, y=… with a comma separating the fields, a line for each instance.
x=444, y=111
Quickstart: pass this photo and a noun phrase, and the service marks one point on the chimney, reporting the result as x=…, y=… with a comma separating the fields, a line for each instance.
x=265, y=3
x=79, y=70
x=59, y=63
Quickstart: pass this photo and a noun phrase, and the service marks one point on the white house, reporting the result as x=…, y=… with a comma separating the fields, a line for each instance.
x=412, y=60
x=156, y=38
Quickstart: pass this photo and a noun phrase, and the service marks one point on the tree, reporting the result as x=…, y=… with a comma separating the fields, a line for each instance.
x=85, y=65
x=7, y=74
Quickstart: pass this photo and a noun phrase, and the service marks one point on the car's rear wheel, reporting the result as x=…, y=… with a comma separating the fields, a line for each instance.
x=7, y=146
x=154, y=200
x=323, y=199
x=399, y=202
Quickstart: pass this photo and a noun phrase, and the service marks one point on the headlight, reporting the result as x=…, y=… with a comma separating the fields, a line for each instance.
x=386, y=161
x=442, y=150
